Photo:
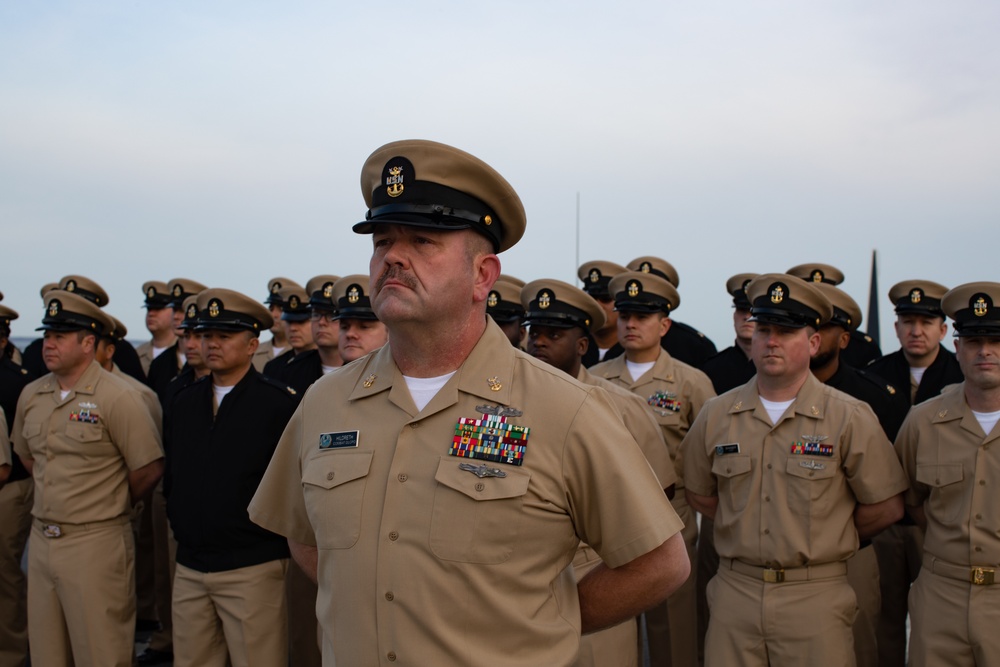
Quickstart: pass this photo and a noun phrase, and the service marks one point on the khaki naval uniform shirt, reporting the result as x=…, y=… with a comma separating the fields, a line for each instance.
x=424, y=563
x=145, y=353
x=954, y=472
x=674, y=391
x=264, y=354
x=149, y=398
x=84, y=445
x=787, y=492
x=5, y=454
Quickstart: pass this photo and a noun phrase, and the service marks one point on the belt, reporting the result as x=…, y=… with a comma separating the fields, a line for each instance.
x=772, y=575
x=53, y=530
x=972, y=574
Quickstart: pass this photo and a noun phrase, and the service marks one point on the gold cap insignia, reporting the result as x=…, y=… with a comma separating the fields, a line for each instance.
x=394, y=181
x=817, y=276
x=151, y=292
x=192, y=312
x=916, y=295
x=178, y=290
x=980, y=307
x=645, y=267
x=293, y=302
x=214, y=308
x=53, y=308
x=275, y=287
x=353, y=294
x=544, y=299
x=488, y=220
x=777, y=294
x=634, y=288
x=493, y=299
x=328, y=290
x=595, y=275
x=70, y=285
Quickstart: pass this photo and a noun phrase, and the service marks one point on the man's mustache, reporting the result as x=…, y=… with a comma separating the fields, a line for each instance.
x=397, y=274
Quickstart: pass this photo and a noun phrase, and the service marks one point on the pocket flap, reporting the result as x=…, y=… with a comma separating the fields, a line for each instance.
x=334, y=468
x=814, y=468
x=940, y=475
x=84, y=432
x=482, y=488
x=731, y=465
x=30, y=430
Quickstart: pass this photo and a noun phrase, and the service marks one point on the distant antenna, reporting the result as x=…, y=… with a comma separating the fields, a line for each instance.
x=873, y=322
x=577, y=235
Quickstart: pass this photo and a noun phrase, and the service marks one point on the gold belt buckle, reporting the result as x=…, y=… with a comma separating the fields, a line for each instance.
x=981, y=576
x=51, y=530
x=773, y=576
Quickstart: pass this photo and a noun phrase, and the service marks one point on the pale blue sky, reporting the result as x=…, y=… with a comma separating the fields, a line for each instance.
x=223, y=141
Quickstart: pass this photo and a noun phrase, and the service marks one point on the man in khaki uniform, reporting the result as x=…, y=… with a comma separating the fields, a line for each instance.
x=442, y=484
x=159, y=322
x=949, y=448
x=504, y=306
x=793, y=473
x=322, y=318
x=675, y=392
x=596, y=276
x=93, y=451
x=278, y=344
x=15, y=511
x=561, y=318
x=360, y=330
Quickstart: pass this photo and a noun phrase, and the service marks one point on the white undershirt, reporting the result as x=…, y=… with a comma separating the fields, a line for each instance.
x=775, y=408
x=601, y=351
x=328, y=369
x=918, y=373
x=987, y=420
x=637, y=370
x=157, y=351
x=422, y=390
x=63, y=393
x=221, y=392
x=278, y=350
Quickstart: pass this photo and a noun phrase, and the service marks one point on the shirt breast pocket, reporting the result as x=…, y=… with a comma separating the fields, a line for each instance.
x=84, y=433
x=734, y=479
x=476, y=520
x=334, y=489
x=945, y=500
x=32, y=435
x=809, y=485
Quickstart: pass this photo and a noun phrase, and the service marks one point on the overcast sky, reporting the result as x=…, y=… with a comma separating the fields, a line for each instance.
x=223, y=141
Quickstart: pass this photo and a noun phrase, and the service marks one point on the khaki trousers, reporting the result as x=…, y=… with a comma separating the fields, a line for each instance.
x=862, y=575
x=15, y=524
x=81, y=596
x=239, y=615
x=616, y=646
x=758, y=624
x=672, y=625
x=164, y=554
x=953, y=622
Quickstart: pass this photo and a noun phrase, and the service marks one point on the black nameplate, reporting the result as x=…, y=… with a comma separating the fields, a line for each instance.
x=720, y=450
x=338, y=440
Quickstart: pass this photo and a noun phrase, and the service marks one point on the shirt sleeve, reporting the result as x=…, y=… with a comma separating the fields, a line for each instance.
x=279, y=504
x=133, y=431
x=873, y=471
x=698, y=477
x=5, y=455
x=616, y=502
x=906, y=451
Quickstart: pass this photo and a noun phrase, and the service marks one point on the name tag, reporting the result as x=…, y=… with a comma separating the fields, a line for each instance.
x=338, y=440
x=732, y=448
